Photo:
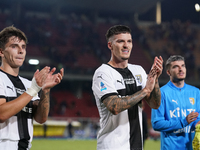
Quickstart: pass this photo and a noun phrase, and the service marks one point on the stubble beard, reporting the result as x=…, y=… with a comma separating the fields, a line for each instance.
x=176, y=80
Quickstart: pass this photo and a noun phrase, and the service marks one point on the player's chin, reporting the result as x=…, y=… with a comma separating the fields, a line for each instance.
x=181, y=79
x=19, y=63
x=16, y=65
x=125, y=58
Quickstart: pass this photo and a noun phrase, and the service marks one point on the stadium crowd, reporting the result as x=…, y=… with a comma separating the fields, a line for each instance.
x=77, y=43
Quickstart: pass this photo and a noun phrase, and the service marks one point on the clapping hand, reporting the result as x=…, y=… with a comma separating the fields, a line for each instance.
x=53, y=79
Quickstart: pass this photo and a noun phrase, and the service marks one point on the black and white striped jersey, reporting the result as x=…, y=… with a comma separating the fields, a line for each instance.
x=122, y=131
x=20, y=126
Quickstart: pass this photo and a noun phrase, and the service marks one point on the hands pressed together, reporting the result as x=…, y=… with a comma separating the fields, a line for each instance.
x=45, y=80
x=155, y=72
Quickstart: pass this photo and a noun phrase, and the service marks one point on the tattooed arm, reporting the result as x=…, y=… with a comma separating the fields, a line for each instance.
x=151, y=92
x=41, y=108
x=117, y=104
x=154, y=98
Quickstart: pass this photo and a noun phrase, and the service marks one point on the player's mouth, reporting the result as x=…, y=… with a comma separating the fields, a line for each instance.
x=181, y=74
x=125, y=51
x=20, y=58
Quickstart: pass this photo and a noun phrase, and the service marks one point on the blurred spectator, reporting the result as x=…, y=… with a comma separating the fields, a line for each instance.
x=70, y=128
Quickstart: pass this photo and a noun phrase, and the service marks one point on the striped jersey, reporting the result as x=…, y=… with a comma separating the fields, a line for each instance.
x=18, y=127
x=124, y=130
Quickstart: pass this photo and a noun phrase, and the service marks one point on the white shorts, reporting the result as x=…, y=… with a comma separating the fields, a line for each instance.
x=10, y=145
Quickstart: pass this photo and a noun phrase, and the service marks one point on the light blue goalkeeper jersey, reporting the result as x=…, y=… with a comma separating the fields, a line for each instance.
x=170, y=117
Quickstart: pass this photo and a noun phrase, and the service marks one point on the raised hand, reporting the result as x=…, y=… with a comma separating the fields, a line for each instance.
x=40, y=76
x=53, y=79
x=158, y=65
x=151, y=80
x=152, y=88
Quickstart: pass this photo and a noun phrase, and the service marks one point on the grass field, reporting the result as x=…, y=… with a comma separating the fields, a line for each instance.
x=66, y=144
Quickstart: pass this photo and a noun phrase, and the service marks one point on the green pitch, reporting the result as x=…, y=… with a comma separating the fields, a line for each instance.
x=66, y=144
x=63, y=144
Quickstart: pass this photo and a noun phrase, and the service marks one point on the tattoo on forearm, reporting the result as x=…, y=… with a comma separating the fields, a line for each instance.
x=44, y=103
x=117, y=104
x=156, y=95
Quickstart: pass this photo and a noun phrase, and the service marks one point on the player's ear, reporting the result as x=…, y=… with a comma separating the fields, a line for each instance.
x=110, y=45
x=168, y=72
x=1, y=52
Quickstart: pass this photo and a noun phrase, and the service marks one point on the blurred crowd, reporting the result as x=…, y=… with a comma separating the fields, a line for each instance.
x=77, y=41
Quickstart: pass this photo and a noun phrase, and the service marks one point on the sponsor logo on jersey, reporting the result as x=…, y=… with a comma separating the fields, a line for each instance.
x=180, y=112
x=100, y=76
x=20, y=91
x=120, y=81
x=103, y=86
x=176, y=113
x=10, y=88
x=192, y=101
x=175, y=101
x=139, y=78
x=186, y=129
x=129, y=81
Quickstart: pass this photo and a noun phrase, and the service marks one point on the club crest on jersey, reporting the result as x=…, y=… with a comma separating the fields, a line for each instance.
x=103, y=86
x=139, y=78
x=192, y=101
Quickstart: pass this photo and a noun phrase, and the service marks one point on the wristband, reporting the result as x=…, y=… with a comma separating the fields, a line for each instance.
x=34, y=89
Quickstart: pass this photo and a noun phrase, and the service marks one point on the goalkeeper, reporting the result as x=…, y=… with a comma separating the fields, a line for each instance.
x=178, y=113
x=19, y=101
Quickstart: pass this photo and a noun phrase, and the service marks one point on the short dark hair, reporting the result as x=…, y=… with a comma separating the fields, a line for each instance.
x=8, y=32
x=117, y=29
x=172, y=59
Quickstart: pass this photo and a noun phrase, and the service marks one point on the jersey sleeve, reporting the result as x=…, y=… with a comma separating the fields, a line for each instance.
x=144, y=78
x=103, y=85
x=2, y=90
x=158, y=121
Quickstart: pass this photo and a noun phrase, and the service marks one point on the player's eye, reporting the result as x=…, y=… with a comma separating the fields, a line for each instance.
x=120, y=41
x=13, y=46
